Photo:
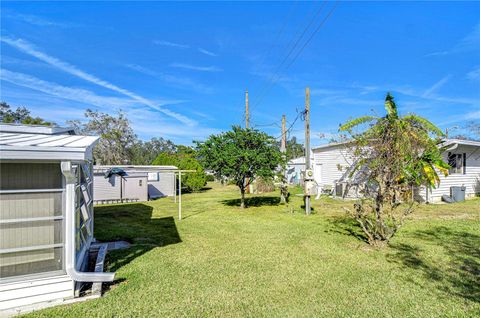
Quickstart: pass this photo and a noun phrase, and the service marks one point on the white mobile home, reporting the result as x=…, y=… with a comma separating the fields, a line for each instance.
x=331, y=163
x=141, y=183
x=46, y=214
x=295, y=168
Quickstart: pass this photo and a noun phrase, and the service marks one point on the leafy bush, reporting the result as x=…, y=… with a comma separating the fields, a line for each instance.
x=192, y=182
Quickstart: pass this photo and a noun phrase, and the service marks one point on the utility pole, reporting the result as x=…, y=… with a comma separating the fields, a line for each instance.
x=283, y=149
x=307, y=147
x=247, y=115
x=283, y=145
x=247, y=122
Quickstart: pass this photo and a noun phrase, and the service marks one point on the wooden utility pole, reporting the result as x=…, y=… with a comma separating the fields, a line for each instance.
x=247, y=122
x=307, y=144
x=247, y=114
x=283, y=149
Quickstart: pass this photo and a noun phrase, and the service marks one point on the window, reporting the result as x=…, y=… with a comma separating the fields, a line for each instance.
x=31, y=219
x=457, y=163
x=153, y=176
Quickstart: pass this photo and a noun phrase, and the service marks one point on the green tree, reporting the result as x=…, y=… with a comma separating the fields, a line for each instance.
x=294, y=149
x=20, y=116
x=145, y=152
x=116, y=136
x=185, y=159
x=392, y=156
x=241, y=155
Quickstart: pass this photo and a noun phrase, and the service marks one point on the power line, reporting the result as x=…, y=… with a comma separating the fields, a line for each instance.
x=299, y=115
x=292, y=49
x=274, y=124
x=298, y=53
x=279, y=33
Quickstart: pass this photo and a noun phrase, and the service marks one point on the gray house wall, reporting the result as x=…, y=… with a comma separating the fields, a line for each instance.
x=133, y=187
x=163, y=187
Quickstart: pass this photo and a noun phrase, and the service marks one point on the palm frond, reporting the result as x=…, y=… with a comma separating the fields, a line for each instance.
x=425, y=123
x=390, y=106
x=442, y=166
x=356, y=122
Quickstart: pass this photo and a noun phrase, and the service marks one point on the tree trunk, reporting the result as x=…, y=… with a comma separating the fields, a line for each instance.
x=242, y=198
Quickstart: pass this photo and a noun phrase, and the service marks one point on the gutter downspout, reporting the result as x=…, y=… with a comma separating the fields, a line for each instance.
x=94, y=277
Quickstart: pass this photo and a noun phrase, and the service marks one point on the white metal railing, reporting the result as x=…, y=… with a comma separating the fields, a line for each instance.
x=36, y=219
x=30, y=248
x=20, y=191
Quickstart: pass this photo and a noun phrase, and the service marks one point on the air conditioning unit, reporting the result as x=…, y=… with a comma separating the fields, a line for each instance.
x=339, y=188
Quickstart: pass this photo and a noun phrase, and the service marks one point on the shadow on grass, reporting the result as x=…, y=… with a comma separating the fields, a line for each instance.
x=255, y=201
x=202, y=190
x=459, y=275
x=132, y=223
x=347, y=226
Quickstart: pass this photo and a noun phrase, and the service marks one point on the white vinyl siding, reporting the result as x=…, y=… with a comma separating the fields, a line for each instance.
x=330, y=159
x=469, y=176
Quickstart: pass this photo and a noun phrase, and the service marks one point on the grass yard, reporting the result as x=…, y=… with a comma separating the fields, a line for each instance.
x=272, y=260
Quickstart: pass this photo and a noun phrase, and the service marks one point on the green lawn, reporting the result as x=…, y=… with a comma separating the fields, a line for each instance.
x=272, y=260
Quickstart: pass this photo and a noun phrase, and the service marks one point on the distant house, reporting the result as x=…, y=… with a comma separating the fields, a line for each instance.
x=46, y=214
x=295, y=167
x=140, y=183
x=331, y=162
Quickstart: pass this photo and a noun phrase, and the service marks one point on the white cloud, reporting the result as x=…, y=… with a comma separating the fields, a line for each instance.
x=197, y=68
x=175, y=81
x=470, y=42
x=473, y=115
x=474, y=74
x=29, y=49
x=36, y=20
x=439, y=53
x=141, y=69
x=171, y=44
x=75, y=94
x=435, y=87
x=206, y=52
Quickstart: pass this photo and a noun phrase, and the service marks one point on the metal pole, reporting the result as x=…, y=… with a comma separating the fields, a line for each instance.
x=247, y=114
x=174, y=188
x=283, y=149
x=179, y=195
x=307, y=143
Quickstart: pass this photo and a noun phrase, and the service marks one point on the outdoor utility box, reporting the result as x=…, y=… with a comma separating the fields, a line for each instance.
x=457, y=194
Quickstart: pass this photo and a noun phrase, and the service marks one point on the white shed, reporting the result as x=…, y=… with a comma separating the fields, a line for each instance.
x=46, y=214
x=144, y=183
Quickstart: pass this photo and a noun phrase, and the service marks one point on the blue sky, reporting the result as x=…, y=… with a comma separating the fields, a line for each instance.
x=180, y=70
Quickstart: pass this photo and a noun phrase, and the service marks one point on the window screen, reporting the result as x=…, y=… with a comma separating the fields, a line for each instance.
x=31, y=222
x=456, y=162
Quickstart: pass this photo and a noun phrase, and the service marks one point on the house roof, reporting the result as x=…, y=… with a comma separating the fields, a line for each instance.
x=333, y=144
x=137, y=168
x=297, y=161
x=37, y=146
x=36, y=129
x=461, y=142
x=446, y=142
